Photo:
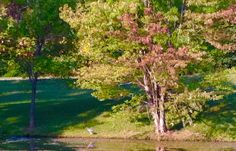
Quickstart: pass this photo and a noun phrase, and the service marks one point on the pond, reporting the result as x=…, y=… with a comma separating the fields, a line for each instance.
x=76, y=144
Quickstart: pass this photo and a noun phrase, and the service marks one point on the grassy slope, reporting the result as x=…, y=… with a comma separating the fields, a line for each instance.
x=63, y=111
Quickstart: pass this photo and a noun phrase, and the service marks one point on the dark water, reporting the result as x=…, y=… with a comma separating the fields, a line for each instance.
x=112, y=145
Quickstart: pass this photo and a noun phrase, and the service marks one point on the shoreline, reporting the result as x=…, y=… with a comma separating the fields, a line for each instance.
x=205, y=140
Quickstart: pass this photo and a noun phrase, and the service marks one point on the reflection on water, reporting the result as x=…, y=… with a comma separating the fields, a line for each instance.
x=32, y=145
x=113, y=145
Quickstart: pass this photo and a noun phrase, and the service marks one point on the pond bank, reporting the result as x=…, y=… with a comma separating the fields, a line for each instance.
x=72, y=144
x=179, y=136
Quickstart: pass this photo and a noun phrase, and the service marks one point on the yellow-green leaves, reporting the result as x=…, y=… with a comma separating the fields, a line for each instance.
x=104, y=74
x=172, y=15
x=105, y=79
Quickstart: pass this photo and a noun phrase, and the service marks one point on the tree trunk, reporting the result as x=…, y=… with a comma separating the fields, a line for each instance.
x=162, y=122
x=156, y=100
x=158, y=115
x=33, y=76
x=155, y=117
x=147, y=3
x=32, y=105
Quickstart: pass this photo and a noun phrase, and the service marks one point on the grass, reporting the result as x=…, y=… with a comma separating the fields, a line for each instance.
x=219, y=121
x=63, y=111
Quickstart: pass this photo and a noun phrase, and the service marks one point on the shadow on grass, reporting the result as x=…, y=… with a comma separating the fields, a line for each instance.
x=57, y=107
x=220, y=118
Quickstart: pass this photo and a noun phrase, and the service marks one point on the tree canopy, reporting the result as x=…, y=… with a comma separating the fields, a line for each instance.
x=144, y=43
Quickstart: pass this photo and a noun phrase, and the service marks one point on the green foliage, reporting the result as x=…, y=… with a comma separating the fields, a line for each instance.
x=208, y=6
x=167, y=6
x=92, y=22
x=40, y=21
x=219, y=82
x=216, y=122
x=214, y=60
x=12, y=69
x=172, y=15
x=105, y=80
x=186, y=107
x=102, y=72
x=135, y=110
x=110, y=92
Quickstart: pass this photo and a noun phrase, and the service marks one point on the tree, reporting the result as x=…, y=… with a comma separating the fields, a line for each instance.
x=37, y=41
x=210, y=28
x=213, y=22
x=129, y=42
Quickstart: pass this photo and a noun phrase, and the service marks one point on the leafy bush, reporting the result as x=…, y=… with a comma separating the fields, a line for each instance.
x=135, y=110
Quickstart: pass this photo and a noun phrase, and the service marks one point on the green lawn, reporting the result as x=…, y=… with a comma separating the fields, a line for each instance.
x=67, y=112
x=61, y=111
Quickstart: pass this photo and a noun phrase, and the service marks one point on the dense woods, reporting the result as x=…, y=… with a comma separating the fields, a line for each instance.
x=148, y=51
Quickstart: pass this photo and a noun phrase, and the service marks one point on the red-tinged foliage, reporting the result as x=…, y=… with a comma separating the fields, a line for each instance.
x=15, y=10
x=154, y=53
x=228, y=15
x=217, y=24
x=159, y=63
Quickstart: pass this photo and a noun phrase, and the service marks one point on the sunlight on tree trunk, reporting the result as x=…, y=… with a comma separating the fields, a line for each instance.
x=155, y=117
x=162, y=124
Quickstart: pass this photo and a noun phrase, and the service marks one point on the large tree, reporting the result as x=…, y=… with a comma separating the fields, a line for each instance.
x=37, y=41
x=131, y=42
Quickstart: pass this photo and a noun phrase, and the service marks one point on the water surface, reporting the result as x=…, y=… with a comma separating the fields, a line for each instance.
x=76, y=144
